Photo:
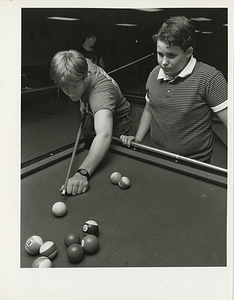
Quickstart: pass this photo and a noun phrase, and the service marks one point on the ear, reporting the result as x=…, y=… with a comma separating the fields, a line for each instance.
x=189, y=52
x=86, y=77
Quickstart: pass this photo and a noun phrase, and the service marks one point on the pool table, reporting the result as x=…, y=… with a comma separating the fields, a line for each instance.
x=173, y=214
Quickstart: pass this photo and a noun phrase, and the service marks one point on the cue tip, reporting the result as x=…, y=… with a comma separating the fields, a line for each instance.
x=63, y=192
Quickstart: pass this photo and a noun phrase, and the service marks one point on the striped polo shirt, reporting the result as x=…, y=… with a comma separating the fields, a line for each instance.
x=181, y=109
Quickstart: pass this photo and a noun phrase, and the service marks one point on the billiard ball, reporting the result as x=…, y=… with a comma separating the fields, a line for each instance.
x=72, y=238
x=115, y=177
x=48, y=249
x=42, y=262
x=91, y=227
x=75, y=253
x=33, y=244
x=90, y=243
x=59, y=209
x=124, y=182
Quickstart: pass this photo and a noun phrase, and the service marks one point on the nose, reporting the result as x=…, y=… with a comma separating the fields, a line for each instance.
x=164, y=61
x=73, y=97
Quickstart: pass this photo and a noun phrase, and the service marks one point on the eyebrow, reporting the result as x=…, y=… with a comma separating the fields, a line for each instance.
x=168, y=52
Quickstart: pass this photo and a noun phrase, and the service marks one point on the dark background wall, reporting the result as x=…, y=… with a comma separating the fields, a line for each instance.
x=42, y=38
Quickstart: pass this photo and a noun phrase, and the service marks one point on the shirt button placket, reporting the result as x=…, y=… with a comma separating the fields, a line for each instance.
x=168, y=90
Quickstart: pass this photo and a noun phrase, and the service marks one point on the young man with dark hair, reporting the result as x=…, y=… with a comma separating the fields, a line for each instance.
x=181, y=96
x=88, y=48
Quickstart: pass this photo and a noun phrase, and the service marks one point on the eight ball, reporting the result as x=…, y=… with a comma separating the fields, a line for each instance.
x=91, y=227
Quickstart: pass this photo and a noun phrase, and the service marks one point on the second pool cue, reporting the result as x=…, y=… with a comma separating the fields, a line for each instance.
x=74, y=151
x=131, y=63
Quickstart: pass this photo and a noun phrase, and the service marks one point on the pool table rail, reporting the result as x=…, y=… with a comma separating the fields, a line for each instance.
x=49, y=159
x=139, y=152
x=174, y=162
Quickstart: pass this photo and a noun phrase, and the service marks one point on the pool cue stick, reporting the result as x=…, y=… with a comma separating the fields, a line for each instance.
x=178, y=157
x=74, y=150
x=131, y=63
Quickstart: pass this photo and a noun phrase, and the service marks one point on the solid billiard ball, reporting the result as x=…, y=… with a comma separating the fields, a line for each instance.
x=33, y=244
x=124, y=182
x=59, y=209
x=72, y=238
x=75, y=253
x=48, y=249
x=115, y=177
x=42, y=262
x=90, y=243
x=91, y=227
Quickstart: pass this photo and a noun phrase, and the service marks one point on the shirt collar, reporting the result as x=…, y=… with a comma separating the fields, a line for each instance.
x=188, y=69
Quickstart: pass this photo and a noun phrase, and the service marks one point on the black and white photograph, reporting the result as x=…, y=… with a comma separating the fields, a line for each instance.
x=124, y=151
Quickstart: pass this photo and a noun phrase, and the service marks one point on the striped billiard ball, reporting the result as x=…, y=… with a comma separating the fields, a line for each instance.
x=42, y=262
x=48, y=249
x=115, y=177
x=124, y=182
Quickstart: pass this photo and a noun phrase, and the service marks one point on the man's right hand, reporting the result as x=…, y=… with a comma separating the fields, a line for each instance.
x=77, y=185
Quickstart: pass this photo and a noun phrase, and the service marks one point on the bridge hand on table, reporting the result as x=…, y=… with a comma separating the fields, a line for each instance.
x=76, y=185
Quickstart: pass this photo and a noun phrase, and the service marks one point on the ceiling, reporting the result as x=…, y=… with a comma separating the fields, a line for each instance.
x=105, y=19
x=120, y=44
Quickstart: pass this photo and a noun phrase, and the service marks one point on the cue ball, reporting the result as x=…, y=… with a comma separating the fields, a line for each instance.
x=33, y=244
x=124, y=182
x=91, y=227
x=90, y=243
x=75, y=253
x=59, y=209
x=42, y=262
x=72, y=238
x=115, y=177
x=48, y=249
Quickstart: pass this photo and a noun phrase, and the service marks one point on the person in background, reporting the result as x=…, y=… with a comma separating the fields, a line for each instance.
x=181, y=96
x=109, y=112
x=88, y=48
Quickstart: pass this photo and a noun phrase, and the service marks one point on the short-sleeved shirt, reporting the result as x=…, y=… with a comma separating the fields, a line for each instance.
x=181, y=109
x=104, y=93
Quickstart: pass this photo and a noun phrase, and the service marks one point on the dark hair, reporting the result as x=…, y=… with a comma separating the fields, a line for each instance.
x=177, y=31
x=88, y=31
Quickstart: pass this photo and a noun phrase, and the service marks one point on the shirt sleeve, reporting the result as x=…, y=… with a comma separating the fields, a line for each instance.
x=217, y=92
x=220, y=107
x=147, y=98
x=102, y=100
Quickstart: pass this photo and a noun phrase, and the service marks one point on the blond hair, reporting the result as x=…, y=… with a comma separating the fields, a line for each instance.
x=67, y=68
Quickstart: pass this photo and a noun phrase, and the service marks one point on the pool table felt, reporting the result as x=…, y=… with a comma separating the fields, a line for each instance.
x=165, y=219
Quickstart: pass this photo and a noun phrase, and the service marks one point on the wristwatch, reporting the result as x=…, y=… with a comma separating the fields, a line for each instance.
x=83, y=172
